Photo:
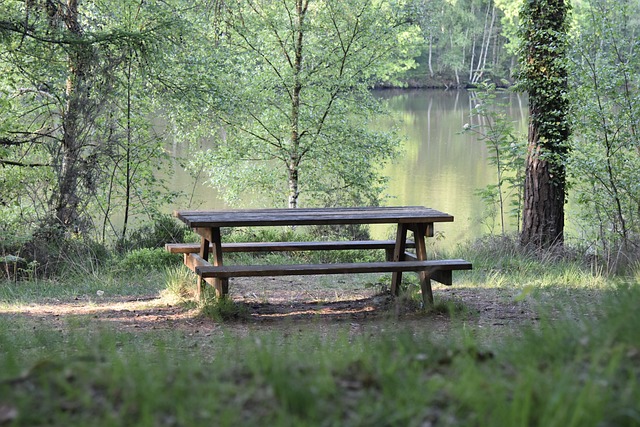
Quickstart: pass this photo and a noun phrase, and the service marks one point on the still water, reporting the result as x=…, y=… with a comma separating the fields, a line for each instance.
x=439, y=166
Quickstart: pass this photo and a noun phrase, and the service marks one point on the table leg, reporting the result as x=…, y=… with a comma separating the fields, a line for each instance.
x=213, y=236
x=398, y=255
x=419, y=233
x=204, y=254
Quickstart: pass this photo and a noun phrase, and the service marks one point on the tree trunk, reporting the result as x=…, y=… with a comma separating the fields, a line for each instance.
x=66, y=203
x=430, y=52
x=544, y=198
x=476, y=73
x=293, y=184
x=128, y=159
x=544, y=33
x=294, y=150
x=473, y=59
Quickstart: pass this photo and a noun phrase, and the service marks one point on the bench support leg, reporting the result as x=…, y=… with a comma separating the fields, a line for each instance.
x=398, y=255
x=221, y=285
x=204, y=254
x=212, y=238
x=420, y=233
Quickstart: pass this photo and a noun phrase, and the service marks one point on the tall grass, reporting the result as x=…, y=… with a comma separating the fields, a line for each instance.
x=561, y=372
x=579, y=365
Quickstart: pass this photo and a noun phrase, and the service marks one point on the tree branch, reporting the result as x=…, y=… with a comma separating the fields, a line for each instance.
x=5, y=163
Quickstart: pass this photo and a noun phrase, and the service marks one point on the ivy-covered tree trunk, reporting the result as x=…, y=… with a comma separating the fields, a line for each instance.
x=544, y=25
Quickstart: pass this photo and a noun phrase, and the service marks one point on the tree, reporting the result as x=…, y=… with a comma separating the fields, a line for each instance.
x=506, y=152
x=298, y=73
x=605, y=164
x=467, y=40
x=544, y=25
x=54, y=67
x=65, y=66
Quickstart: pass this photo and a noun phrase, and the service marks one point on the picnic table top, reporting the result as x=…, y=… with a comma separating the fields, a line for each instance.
x=311, y=216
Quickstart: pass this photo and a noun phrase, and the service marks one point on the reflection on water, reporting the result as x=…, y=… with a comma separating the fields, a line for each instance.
x=442, y=168
x=439, y=167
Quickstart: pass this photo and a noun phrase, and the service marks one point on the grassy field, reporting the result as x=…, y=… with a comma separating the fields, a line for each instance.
x=577, y=364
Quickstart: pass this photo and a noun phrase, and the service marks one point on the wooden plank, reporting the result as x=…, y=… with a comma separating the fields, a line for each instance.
x=398, y=255
x=441, y=276
x=221, y=285
x=340, y=268
x=311, y=216
x=245, y=221
x=205, y=243
x=288, y=246
x=419, y=234
x=192, y=261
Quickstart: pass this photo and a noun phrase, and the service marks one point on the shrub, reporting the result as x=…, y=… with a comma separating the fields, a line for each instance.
x=51, y=252
x=181, y=283
x=78, y=255
x=148, y=258
x=221, y=309
x=163, y=229
x=340, y=231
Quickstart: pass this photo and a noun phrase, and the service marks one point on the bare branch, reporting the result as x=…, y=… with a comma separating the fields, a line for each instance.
x=5, y=163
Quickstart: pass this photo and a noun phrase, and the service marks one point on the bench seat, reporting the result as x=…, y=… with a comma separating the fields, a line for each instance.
x=192, y=248
x=439, y=270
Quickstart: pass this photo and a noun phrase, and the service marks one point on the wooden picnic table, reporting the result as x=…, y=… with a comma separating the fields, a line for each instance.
x=206, y=258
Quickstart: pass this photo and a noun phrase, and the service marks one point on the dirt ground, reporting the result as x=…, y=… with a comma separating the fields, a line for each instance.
x=285, y=304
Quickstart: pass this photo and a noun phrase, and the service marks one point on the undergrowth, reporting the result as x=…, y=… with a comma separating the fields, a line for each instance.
x=561, y=372
x=577, y=364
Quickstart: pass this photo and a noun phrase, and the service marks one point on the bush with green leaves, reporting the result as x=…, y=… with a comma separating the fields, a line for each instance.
x=605, y=165
x=162, y=230
x=148, y=258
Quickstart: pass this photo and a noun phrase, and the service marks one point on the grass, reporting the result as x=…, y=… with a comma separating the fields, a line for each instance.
x=578, y=365
x=562, y=373
x=87, y=288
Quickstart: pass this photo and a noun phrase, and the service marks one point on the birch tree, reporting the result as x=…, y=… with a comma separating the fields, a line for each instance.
x=298, y=74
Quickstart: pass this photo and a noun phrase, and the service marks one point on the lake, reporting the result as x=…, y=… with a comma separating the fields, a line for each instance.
x=439, y=166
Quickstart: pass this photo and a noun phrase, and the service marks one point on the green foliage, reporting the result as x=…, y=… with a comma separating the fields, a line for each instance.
x=163, y=229
x=589, y=349
x=267, y=234
x=317, y=257
x=222, y=309
x=339, y=232
x=543, y=28
x=500, y=261
x=47, y=256
x=75, y=133
x=14, y=228
x=507, y=152
x=181, y=283
x=301, y=234
x=77, y=256
x=14, y=267
x=605, y=166
x=464, y=42
x=147, y=259
x=299, y=122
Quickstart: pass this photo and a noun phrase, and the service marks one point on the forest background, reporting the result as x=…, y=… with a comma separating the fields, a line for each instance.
x=103, y=330
x=282, y=88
